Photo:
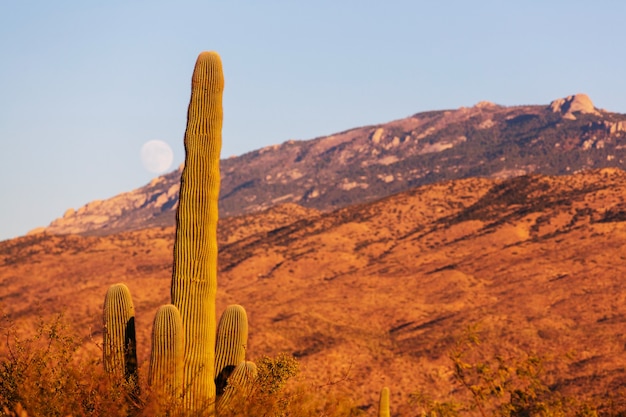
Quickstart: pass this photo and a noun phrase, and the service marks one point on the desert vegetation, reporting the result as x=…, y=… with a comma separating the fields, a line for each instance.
x=44, y=374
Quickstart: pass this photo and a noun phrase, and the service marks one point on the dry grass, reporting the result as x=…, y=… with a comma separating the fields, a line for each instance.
x=41, y=376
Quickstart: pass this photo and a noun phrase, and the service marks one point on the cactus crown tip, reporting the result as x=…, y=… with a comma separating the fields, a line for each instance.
x=120, y=287
x=207, y=54
x=210, y=59
x=208, y=72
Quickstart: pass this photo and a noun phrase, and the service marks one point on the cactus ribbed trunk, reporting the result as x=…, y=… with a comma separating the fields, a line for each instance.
x=194, y=279
x=383, y=403
x=230, y=344
x=166, y=360
x=240, y=384
x=119, y=344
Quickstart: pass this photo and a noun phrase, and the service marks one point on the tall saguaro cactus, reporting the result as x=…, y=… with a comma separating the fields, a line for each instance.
x=194, y=278
x=184, y=359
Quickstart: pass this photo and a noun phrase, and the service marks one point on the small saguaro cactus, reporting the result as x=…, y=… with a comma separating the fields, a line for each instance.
x=239, y=386
x=119, y=345
x=231, y=343
x=383, y=403
x=166, y=360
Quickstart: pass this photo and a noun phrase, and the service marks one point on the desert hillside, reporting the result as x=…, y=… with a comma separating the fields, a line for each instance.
x=375, y=294
x=371, y=162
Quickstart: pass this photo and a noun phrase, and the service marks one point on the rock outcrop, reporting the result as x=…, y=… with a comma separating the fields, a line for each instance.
x=153, y=204
x=577, y=103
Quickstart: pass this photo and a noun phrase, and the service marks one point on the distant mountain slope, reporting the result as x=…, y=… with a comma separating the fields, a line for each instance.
x=371, y=162
x=374, y=294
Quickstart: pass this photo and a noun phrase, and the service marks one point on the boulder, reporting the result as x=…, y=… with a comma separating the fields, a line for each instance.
x=577, y=103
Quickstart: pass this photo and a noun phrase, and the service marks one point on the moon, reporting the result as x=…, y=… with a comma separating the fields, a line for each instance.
x=156, y=156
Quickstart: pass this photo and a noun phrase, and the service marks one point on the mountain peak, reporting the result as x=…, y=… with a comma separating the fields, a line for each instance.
x=569, y=105
x=485, y=104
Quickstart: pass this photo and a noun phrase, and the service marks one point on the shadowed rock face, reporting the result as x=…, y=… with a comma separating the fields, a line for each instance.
x=371, y=162
x=374, y=290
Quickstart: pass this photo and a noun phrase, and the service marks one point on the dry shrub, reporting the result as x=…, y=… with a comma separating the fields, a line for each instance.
x=278, y=392
x=504, y=384
x=43, y=375
x=40, y=375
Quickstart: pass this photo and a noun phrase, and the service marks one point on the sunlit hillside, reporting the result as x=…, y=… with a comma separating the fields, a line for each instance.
x=378, y=294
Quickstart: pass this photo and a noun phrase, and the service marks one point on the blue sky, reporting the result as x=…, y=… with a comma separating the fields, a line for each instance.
x=84, y=84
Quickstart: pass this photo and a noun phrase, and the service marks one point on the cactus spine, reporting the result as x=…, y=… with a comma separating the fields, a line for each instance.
x=383, y=403
x=231, y=342
x=119, y=344
x=194, y=277
x=166, y=359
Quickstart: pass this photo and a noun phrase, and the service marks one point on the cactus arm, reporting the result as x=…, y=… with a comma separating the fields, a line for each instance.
x=239, y=387
x=231, y=343
x=166, y=360
x=119, y=342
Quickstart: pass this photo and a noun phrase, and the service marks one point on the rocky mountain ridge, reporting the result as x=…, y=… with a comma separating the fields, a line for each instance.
x=366, y=163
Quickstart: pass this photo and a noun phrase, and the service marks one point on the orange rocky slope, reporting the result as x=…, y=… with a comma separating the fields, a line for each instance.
x=375, y=293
